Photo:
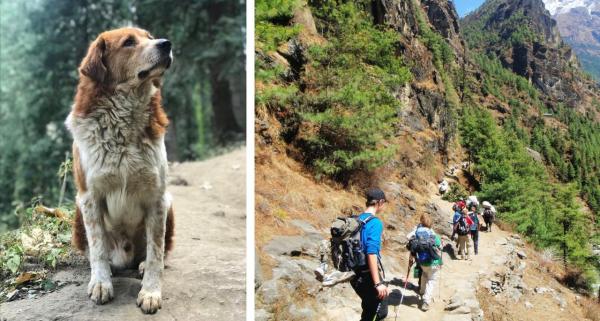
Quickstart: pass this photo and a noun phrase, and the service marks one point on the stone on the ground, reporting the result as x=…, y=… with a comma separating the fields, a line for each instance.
x=262, y=315
x=457, y=317
x=521, y=255
x=269, y=292
x=292, y=246
x=301, y=313
x=304, y=226
x=258, y=276
x=528, y=305
x=461, y=310
x=561, y=301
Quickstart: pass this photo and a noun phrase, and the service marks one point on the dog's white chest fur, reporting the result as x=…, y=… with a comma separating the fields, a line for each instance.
x=122, y=165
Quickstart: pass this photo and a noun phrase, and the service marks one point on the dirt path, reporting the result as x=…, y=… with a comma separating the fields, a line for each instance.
x=458, y=277
x=204, y=277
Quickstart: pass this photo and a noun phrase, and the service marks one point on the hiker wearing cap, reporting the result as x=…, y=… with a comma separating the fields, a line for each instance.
x=426, y=249
x=463, y=228
x=369, y=281
x=474, y=216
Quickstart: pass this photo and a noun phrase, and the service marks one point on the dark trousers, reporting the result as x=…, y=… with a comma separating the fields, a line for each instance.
x=372, y=307
x=475, y=237
x=488, y=224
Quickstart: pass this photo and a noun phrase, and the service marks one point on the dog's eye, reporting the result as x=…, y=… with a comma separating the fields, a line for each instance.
x=130, y=42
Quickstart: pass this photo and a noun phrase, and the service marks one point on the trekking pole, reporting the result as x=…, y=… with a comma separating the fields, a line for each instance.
x=405, y=284
x=377, y=311
x=441, y=268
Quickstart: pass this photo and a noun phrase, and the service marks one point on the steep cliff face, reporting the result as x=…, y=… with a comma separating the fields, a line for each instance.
x=433, y=47
x=526, y=39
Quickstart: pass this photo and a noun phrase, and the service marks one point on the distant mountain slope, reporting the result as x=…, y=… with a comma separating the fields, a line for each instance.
x=526, y=39
x=579, y=25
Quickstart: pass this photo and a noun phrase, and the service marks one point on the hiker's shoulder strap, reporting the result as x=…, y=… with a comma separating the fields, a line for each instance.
x=367, y=219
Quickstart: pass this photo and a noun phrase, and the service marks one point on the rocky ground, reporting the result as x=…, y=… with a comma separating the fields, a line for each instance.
x=500, y=274
x=204, y=277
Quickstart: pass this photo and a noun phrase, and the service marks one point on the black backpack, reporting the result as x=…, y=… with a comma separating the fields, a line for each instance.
x=347, y=251
x=422, y=246
x=462, y=228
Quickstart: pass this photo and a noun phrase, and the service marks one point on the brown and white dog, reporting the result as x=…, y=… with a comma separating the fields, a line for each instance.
x=124, y=215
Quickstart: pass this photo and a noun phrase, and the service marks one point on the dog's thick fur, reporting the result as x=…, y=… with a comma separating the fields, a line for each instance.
x=124, y=215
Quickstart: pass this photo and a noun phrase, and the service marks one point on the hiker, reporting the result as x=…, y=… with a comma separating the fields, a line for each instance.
x=489, y=214
x=369, y=282
x=457, y=207
x=443, y=187
x=472, y=200
x=474, y=216
x=426, y=249
x=462, y=227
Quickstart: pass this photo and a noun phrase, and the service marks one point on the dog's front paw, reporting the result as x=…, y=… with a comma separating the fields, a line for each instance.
x=149, y=301
x=100, y=292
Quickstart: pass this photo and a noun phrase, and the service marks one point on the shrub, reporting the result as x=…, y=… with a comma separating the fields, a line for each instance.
x=455, y=193
x=350, y=98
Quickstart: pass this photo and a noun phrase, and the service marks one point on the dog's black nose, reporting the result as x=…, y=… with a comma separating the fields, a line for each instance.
x=164, y=45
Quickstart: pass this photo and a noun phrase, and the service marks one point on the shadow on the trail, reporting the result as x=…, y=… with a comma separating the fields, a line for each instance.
x=399, y=282
x=449, y=249
x=408, y=300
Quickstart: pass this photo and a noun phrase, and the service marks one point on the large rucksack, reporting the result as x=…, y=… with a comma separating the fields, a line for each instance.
x=347, y=250
x=422, y=246
x=488, y=215
x=462, y=228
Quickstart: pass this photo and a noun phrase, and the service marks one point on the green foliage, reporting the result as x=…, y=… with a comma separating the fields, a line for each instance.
x=272, y=23
x=455, y=193
x=482, y=31
x=590, y=63
x=354, y=109
x=350, y=115
x=499, y=80
x=521, y=189
x=43, y=239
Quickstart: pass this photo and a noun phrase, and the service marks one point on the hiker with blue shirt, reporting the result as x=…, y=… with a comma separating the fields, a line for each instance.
x=369, y=281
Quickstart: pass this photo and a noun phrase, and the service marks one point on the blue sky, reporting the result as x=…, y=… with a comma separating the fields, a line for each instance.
x=465, y=6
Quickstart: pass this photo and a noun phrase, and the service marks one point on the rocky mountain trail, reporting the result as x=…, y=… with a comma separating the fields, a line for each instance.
x=504, y=270
x=204, y=277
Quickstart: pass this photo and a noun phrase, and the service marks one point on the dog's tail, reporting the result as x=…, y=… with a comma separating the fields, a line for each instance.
x=78, y=238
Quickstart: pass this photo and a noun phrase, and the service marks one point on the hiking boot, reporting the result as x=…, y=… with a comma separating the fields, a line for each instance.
x=425, y=306
x=320, y=272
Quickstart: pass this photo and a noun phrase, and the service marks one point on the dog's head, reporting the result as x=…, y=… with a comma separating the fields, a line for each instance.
x=126, y=56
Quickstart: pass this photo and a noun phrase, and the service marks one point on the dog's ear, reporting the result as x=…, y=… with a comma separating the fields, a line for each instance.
x=92, y=65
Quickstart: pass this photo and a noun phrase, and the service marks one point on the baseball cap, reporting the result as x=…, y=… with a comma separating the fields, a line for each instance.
x=375, y=194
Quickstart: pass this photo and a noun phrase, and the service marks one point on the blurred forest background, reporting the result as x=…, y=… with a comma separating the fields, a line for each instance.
x=41, y=45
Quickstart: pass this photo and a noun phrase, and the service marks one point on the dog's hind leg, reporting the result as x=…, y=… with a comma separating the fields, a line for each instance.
x=150, y=297
x=170, y=230
x=100, y=288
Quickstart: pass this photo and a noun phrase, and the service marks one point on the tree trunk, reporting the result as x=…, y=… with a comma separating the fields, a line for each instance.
x=225, y=125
